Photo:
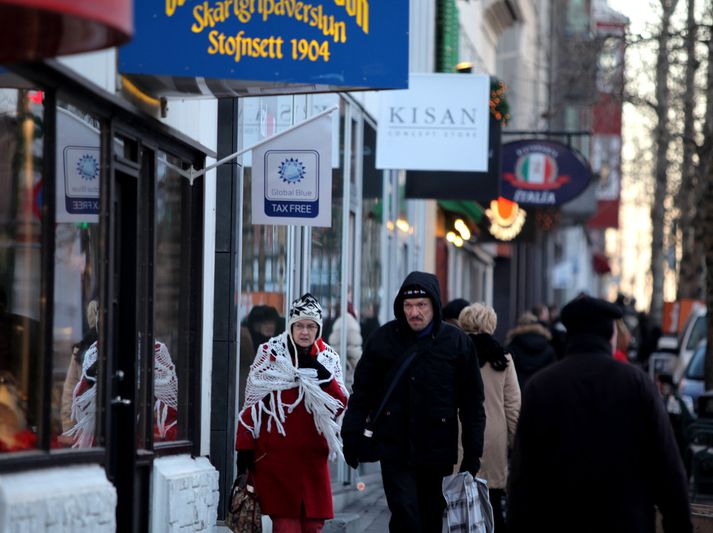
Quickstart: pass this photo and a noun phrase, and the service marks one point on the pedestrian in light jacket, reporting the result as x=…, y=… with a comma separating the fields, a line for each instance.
x=594, y=449
x=354, y=342
x=288, y=429
x=417, y=432
x=502, y=402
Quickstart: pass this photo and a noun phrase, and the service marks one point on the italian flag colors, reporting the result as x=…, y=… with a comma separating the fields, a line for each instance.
x=537, y=168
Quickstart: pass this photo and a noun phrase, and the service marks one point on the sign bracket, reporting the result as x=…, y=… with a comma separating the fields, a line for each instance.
x=192, y=174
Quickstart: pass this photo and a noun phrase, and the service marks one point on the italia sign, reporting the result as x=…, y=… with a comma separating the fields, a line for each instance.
x=543, y=173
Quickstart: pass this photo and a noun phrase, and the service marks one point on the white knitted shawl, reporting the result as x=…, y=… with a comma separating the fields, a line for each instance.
x=273, y=372
x=84, y=405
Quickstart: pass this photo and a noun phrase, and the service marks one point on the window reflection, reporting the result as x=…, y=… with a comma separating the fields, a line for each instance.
x=75, y=330
x=326, y=258
x=264, y=248
x=171, y=358
x=372, y=213
x=21, y=138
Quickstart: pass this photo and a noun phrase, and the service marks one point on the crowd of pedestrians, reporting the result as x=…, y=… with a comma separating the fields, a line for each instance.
x=567, y=434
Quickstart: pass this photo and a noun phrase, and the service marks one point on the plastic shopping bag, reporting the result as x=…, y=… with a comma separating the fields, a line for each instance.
x=468, y=508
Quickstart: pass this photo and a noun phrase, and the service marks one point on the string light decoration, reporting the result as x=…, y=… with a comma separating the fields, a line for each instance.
x=506, y=219
x=499, y=106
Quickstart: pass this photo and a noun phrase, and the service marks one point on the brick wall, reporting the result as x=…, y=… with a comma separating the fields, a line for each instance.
x=76, y=499
x=184, y=495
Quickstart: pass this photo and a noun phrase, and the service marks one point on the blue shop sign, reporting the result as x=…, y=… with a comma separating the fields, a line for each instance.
x=332, y=44
x=543, y=173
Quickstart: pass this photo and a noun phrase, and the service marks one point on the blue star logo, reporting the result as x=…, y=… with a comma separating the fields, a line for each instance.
x=292, y=170
x=88, y=167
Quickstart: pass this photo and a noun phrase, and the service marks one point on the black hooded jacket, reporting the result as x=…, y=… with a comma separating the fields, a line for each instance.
x=418, y=425
x=531, y=350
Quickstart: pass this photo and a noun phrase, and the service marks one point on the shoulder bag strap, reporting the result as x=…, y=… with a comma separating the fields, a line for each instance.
x=404, y=365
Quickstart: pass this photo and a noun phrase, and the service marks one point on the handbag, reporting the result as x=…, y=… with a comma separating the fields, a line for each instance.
x=368, y=447
x=244, y=514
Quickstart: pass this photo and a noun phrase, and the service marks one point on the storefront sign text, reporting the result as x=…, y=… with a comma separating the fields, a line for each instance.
x=359, y=43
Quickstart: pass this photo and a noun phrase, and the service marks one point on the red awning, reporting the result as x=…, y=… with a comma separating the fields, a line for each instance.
x=36, y=29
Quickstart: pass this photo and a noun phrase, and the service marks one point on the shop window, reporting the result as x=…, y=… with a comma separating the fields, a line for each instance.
x=75, y=353
x=21, y=236
x=264, y=248
x=171, y=381
x=326, y=256
x=578, y=21
x=371, y=257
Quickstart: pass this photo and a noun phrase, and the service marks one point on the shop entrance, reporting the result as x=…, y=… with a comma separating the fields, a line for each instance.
x=129, y=464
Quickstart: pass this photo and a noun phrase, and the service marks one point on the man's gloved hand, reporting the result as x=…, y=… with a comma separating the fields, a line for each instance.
x=307, y=361
x=350, y=449
x=245, y=461
x=471, y=465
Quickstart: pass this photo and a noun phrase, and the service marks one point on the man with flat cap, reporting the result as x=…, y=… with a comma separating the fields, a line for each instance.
x=434, y=377
x=594, y=450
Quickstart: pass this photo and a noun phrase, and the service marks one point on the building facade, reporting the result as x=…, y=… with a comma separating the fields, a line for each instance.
x=133, y=296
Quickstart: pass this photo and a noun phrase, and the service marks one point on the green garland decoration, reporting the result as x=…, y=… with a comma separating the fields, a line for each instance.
x=499, y=106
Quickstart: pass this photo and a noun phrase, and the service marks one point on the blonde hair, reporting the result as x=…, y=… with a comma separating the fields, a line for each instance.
x=623, y=336
x=478, y=318
x=92, y=313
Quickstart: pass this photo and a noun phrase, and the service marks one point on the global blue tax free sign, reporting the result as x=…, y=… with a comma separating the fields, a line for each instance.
x=328, y=43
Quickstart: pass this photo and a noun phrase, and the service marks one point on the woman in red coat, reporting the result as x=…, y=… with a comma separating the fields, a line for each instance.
x=288, y=428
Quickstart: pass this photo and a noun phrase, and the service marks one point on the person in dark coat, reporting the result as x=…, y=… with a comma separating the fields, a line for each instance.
x=558, y=332
x=452, y=310
x=530, y=347
x=417, y=430
x=262, y=323
x=594, y=450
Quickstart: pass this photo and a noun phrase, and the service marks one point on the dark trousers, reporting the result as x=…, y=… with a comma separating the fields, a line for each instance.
x=415, y=497
x=497, y=500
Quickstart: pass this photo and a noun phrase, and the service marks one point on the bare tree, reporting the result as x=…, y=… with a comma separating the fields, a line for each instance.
x=690, y=279
x=662, y=139
x=705, y=205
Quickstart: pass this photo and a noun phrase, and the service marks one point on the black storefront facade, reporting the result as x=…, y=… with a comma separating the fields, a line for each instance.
x=117, y=254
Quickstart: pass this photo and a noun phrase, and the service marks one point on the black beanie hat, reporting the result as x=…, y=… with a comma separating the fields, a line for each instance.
x=453, y=308
x=590, y=316
x=413, y=291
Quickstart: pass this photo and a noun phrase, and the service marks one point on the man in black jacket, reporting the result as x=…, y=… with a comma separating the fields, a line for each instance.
x=417, y=429
x=594, y=450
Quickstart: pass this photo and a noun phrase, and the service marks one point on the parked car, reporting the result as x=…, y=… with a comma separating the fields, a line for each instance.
x=664, y=359
x=692, y=384
x=692, y=333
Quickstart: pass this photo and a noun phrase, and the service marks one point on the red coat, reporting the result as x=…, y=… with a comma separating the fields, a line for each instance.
x=291, y=470
x=621, y=356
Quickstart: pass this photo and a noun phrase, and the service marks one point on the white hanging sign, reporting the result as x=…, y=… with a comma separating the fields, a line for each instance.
x=439, y=123
x=292, y=176
x=78, y=163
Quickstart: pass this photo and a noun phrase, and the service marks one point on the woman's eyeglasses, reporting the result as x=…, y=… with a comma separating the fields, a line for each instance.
x=307, y=327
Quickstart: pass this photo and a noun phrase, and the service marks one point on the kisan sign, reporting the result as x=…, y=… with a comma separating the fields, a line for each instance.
x=439, y=123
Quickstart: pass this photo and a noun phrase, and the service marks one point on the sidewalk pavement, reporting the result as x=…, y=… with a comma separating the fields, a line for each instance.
x=354, y=511
x=360, y=512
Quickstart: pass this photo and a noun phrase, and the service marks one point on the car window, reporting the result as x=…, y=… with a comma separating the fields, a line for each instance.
x=697, y=365
x=698, y=333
